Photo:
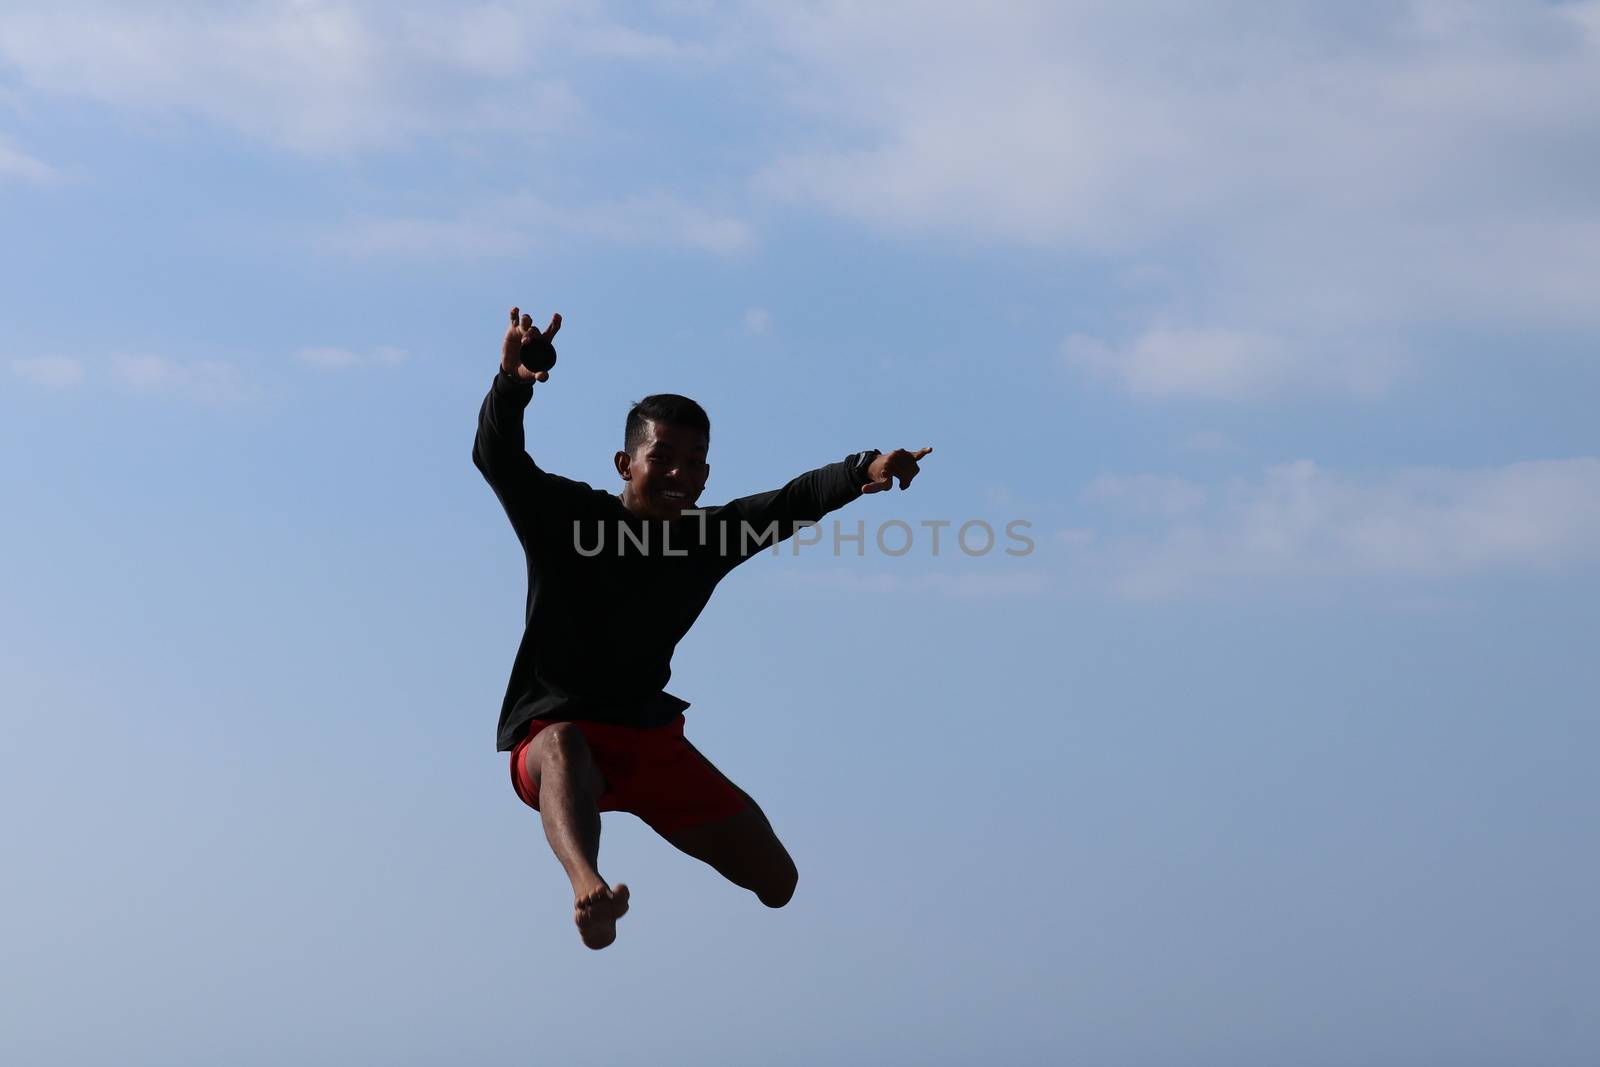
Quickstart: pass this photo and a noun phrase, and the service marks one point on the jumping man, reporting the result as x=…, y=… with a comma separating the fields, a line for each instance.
x=614, y=583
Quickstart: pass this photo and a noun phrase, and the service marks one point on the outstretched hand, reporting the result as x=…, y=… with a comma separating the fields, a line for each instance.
x=901, y=464
x=523, y=341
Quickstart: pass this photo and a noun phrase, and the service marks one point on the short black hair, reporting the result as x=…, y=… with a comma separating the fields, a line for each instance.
x=669, y=409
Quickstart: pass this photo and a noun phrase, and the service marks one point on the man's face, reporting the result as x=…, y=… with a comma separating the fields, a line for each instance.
x=666, y=473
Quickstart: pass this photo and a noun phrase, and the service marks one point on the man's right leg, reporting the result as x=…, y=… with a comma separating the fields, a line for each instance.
x=569, y=786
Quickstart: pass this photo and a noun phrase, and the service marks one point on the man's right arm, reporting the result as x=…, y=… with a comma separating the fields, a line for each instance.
x=498, y=450
x=499, y=454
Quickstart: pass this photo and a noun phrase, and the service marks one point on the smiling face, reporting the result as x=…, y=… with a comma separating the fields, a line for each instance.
x=666, y=472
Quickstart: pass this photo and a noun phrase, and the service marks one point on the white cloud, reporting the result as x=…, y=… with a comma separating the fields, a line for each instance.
x=16, y=164
x=1209, y=443
x=1312, y=179
x=327, y=357
x=1148, y=494
x=325, y=76
x=213, y=383
x=516, y=225
x=209, y=382
x=658, y=218
x=1221, y=363
x=1288, y=193
x=53, y=372
x=1298, y=521
x=422, y=238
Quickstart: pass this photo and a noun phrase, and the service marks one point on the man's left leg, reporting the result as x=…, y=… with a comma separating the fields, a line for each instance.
x=745, y=851
x=742, y=848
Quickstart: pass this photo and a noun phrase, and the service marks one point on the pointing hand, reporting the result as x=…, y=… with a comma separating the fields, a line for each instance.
x=901, y=464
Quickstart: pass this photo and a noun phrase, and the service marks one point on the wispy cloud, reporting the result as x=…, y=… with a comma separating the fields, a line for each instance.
x=515, y=225
x=420, y=238
x=1221, y=363
x=1296, y=197
x=1299, y=521
x=318, y=76
x=18, y=165
x=52, y=372
x=209, y=382
x=212, y=383
x=1291, y=193
x=333, y=76
x=1208, y=443
x=1148, y=494
x=325, y=357
x=659, y=218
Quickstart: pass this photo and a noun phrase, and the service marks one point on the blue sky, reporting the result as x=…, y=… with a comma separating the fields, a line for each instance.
x=1276, y=321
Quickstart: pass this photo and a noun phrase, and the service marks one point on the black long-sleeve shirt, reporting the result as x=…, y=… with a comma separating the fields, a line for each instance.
x=610, y=594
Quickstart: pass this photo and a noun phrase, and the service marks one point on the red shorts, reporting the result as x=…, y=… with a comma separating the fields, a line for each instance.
x=654, y=773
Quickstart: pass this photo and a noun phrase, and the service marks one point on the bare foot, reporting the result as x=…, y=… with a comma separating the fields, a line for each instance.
x=597, y=912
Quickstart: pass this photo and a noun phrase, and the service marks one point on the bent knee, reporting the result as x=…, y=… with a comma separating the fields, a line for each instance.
x=561, y=750
x=563, y=741
x=780, y=890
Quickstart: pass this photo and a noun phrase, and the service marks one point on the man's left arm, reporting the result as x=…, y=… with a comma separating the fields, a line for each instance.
x=780, y=512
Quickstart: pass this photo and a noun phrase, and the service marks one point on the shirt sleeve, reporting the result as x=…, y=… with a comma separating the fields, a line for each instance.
x=766, y=518
x=531, y=496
